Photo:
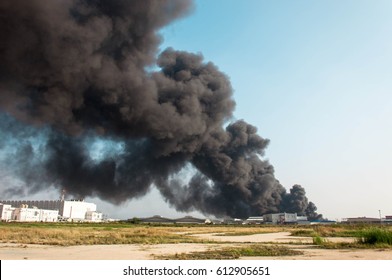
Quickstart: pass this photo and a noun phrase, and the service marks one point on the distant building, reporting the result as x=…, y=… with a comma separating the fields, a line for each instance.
x=6, y=212
x=280, y=218
x=44, y=210
x=157, y=219
x=323, y=222
x=254, y=220
x=302, y=220
x=233, y=221
x=184, y=220
x=361, y=220
x=387, y=220
x=25, y=214
x=189, y=220
x=76, y=209
x=94, y=216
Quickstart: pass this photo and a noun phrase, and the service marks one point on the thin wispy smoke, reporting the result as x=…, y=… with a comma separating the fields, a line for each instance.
x=76, y=72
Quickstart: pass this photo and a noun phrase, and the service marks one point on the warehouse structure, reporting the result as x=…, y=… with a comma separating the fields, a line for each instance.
x=280, y=218
x=191, y=220
x=255, y=220
x=276, y=218
x=184, y=220
x=388, y=219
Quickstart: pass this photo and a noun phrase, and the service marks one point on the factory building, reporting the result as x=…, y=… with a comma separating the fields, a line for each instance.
x=6, y=212
x=254, y=220
x=49, y=210
x=157, y=219
x=76, y=209
x=280, y=218
x=185, y=220
x=26, y=214
x=191, y=220
x=94, y=216
x=302, y=220
x=387, y=220
x=41, y=204
x=361, y=220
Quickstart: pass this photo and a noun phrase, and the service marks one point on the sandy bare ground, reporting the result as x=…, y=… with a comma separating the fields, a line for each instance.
x=276, y=237
x=327, y=254
x=95, y=252
x=145, y=252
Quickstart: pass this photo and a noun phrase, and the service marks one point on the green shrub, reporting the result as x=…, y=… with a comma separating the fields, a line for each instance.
x=376, y=236
x=317, y=240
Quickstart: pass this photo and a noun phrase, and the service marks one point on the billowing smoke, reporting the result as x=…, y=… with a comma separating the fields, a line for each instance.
x=88, y=104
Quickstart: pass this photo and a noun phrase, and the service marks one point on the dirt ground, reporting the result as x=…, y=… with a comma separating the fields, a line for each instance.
x=146, y=252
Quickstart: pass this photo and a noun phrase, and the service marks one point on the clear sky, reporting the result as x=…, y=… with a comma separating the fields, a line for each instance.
x=315, y=78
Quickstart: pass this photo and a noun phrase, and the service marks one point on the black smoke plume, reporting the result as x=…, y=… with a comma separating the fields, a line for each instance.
x=74, y=73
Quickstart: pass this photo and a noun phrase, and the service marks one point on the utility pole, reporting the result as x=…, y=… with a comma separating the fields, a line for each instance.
x=379, y=212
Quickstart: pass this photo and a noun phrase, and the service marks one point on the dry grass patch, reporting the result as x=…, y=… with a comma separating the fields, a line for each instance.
x=125, y=233
x=340, y=230
x=228, y=253
x=84, y=235
x=233, y=230
x=91, y=234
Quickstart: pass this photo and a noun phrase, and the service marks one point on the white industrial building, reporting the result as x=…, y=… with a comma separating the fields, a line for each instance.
x=6, y=212
x=26, y=214
x=302, y=220
x=76, y=209
x=94, y=216
x=254, y=220
x=49, y=210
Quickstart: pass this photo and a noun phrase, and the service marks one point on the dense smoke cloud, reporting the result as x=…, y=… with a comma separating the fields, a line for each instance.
x=76, y=72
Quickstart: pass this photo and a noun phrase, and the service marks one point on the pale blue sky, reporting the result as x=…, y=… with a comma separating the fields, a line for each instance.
x=315, y=78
